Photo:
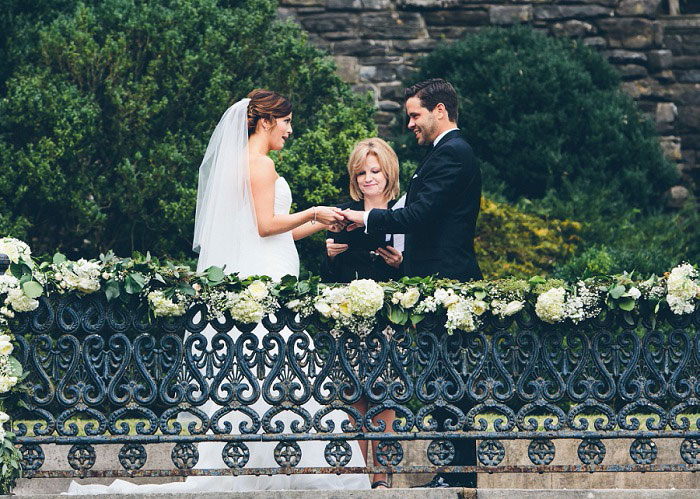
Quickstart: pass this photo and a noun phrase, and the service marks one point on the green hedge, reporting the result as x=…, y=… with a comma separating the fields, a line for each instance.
x=106, y=109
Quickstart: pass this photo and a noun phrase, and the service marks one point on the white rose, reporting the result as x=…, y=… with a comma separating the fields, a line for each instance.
x=293, y=304
x=5, y=344
x=4, y=418
x=257, y=290
x=513, y=308
x=323, y=308
x=479, y=307
x=106, y=276
x=409, y=298
x=59, y=276
x=633, y=293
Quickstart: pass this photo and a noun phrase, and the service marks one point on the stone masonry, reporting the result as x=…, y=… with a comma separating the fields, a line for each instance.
x=376, y=44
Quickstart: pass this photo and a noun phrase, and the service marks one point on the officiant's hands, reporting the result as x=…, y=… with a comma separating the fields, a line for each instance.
x=391, y=256
x=354, y=218
x=333, y=249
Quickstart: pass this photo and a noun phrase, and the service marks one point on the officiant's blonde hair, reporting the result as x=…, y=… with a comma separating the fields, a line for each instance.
x=388, y=163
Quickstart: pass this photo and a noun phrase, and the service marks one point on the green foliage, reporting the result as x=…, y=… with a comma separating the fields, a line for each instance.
x=649, y=244
x=546, y=115
x=106, y=109
x=512, y=243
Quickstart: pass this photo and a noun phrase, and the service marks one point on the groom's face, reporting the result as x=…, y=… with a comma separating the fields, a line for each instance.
x=421, y=121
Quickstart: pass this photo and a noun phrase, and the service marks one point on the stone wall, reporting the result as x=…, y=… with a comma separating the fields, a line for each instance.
x=376, y=44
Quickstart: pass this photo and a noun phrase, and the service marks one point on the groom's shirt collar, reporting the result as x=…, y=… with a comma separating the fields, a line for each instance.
x=439, y=137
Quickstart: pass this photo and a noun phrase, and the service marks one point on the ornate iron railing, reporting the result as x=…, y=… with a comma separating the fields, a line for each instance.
x=130, y=377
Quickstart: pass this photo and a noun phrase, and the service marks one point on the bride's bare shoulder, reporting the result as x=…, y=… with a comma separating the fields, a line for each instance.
x=262, y=168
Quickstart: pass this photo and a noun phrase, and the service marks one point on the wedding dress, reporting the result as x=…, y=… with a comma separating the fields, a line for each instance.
x=275, y=256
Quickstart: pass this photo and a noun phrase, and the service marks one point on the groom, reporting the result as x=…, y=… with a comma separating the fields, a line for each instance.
x=439, y=218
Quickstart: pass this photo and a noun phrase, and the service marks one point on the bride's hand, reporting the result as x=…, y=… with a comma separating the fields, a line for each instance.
x=328, y=215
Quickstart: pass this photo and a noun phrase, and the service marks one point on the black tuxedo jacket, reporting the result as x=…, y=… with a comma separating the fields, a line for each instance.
x=439, y=220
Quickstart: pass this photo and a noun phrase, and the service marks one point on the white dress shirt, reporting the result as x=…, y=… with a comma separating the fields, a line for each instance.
x=365, y=215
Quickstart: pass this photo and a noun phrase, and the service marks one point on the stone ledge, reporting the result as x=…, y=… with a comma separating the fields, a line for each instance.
x=450, y=493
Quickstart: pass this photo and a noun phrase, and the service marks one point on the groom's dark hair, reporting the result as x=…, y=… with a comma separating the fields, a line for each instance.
x=432, y=92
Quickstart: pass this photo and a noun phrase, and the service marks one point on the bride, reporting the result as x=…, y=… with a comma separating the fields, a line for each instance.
x=243, y=223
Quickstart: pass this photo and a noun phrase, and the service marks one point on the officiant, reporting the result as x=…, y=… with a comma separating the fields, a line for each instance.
x=373, y=170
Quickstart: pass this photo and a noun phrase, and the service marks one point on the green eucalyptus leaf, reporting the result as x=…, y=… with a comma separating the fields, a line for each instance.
x=627, y=303
x=215, y=274
x=32, y=289
x=397, y=315
x=14, y=367
x=628, y=318
x=59, y=258
x=186, y=289
x=134, y=283
x=112, y=290
x=617, y=291
x=416, y=318
x=480, y=294
x=17, y=270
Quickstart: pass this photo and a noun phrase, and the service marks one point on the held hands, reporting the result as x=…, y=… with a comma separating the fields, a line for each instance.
x=354, y=218
x=329, y=215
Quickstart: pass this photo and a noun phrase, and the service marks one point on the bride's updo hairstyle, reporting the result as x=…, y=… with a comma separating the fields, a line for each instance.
x=266, y=105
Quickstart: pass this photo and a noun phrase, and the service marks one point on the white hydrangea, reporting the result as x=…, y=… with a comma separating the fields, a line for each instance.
x=244, y=308
x=14, y=249
x=83, y=275
x=681, y=289
x=550, y=305
x=365, y=297
x=164, y=307
x=20, y=302
x=4, y=418
x=8, y=282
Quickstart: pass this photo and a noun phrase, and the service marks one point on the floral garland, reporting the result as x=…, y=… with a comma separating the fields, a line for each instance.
x=170, y=290
x=17, y=294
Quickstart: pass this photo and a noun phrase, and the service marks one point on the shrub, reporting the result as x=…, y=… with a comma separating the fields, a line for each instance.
x=546, y=115
x=106, y=109
x=512, y=243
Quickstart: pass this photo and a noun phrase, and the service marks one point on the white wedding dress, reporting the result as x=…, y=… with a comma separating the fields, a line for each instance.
x=279, y=256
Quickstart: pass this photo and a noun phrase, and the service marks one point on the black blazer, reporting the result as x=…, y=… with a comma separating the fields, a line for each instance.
x=439, y=220
x=358, y=262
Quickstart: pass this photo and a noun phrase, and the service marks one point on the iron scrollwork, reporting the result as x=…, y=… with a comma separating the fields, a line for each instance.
x=101, y=372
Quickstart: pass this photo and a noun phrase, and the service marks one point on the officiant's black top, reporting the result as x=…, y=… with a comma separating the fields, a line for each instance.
x=439, y=220
x=358, y=262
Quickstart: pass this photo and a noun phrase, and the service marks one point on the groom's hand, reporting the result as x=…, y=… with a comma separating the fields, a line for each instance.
x=356, y=219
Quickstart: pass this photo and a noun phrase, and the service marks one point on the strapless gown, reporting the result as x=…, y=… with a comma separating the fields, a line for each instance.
x=278, y=255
